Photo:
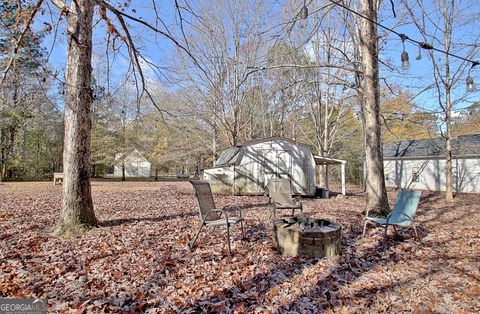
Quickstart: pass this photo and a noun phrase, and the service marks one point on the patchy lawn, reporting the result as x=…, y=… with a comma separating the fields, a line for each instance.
x=138, y=260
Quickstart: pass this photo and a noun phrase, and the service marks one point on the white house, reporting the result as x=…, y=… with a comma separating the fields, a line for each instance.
x=420, y=164
x=135, y=165
x=246, y=169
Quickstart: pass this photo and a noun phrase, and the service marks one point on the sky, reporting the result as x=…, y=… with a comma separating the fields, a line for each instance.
x=158, y=50
x=420, y=74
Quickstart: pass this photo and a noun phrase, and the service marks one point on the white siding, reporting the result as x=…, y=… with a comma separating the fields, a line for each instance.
x=264, y=160
x=135, y=166
x=220, y=179
x=466, y=174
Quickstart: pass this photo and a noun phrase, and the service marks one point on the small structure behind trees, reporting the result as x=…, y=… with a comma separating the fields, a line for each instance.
x=132, y=165
x=420, y=164
x=246, y=169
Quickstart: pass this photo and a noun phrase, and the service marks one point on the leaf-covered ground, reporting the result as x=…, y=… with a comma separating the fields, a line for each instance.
x=139, y=261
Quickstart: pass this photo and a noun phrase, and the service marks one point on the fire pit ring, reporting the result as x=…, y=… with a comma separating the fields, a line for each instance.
x=300, y=235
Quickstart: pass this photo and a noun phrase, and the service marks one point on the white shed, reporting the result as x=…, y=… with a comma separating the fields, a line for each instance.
x=135, y=164
x=420, y=164
x=246, y=169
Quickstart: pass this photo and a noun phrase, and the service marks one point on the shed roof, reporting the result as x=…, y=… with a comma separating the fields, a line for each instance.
x=272, y=139
x=320, y=160
x=233, y=155
x=230, y=156
x=130, y=155
x=464, y=145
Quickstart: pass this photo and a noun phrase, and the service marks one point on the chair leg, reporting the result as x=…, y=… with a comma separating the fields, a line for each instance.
x=364, y=228
x=243, y=232
x=385, y=237
x=395, y=228
x=192, y=243
x=415, y=230
x=228, y=239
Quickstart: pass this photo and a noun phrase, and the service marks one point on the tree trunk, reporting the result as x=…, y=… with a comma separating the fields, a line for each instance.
x=3, y=172
x=2, y=152
x=215, y=139
x=448, y=165
x=377, y=201
x=7, y=150
x=448, y=107
x=77, y=213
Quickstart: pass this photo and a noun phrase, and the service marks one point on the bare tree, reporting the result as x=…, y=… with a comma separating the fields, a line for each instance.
x=224, y=41
x=329, y=101
x=438, y=30
x=377, y=201
x=77, y=212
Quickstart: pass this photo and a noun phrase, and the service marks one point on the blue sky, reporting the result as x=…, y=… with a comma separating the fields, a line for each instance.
x=420, y=74
x=158, y=50
x=155, y=48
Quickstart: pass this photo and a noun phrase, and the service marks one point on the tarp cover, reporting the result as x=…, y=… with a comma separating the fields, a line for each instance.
x=229, y=157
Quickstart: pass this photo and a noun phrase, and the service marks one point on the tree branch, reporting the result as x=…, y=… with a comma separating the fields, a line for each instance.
x=20, y=39
x=118, y=13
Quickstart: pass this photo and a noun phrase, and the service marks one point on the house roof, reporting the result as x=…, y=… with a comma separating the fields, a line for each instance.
x=464, y=145
x=320, y=160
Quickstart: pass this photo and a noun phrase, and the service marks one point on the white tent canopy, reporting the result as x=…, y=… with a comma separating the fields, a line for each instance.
x=319, y=160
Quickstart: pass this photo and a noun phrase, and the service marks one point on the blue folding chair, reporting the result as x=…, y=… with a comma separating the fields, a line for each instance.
x=402, y=214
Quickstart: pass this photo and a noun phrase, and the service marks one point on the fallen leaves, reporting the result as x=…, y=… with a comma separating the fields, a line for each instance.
x=139, y=260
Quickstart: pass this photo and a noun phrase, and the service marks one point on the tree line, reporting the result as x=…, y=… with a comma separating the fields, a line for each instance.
x=314, y=72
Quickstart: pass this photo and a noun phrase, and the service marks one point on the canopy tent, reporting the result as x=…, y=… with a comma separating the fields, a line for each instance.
x=325, y=161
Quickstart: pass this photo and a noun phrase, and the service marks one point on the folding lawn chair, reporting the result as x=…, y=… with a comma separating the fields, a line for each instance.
x=210, y=215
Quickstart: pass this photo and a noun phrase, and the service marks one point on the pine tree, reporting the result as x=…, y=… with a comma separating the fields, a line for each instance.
x=26, y=58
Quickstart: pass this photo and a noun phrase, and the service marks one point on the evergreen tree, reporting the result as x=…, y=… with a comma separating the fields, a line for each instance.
x=19, y=91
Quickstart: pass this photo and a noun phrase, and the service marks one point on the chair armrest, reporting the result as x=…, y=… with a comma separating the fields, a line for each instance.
x=223, y=211
x=236, y=207
x=410, y=218
x=388, y=218
x=213, y=211
x=366, y=214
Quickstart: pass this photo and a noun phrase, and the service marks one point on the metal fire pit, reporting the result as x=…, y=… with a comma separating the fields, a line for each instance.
x=301, y=235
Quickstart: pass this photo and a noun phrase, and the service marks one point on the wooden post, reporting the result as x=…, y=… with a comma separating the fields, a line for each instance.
x=326, y=177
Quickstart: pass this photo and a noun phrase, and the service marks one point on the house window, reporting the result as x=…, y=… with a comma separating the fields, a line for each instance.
x=415, y=174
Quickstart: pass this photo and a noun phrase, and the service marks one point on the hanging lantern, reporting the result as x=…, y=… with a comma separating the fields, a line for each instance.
x=404, y=56
x=470, y=84
x=405, y=61
x=304, y=12
x=419, y=57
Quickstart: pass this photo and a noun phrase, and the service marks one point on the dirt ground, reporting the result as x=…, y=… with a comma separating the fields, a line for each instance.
x=138, y=260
